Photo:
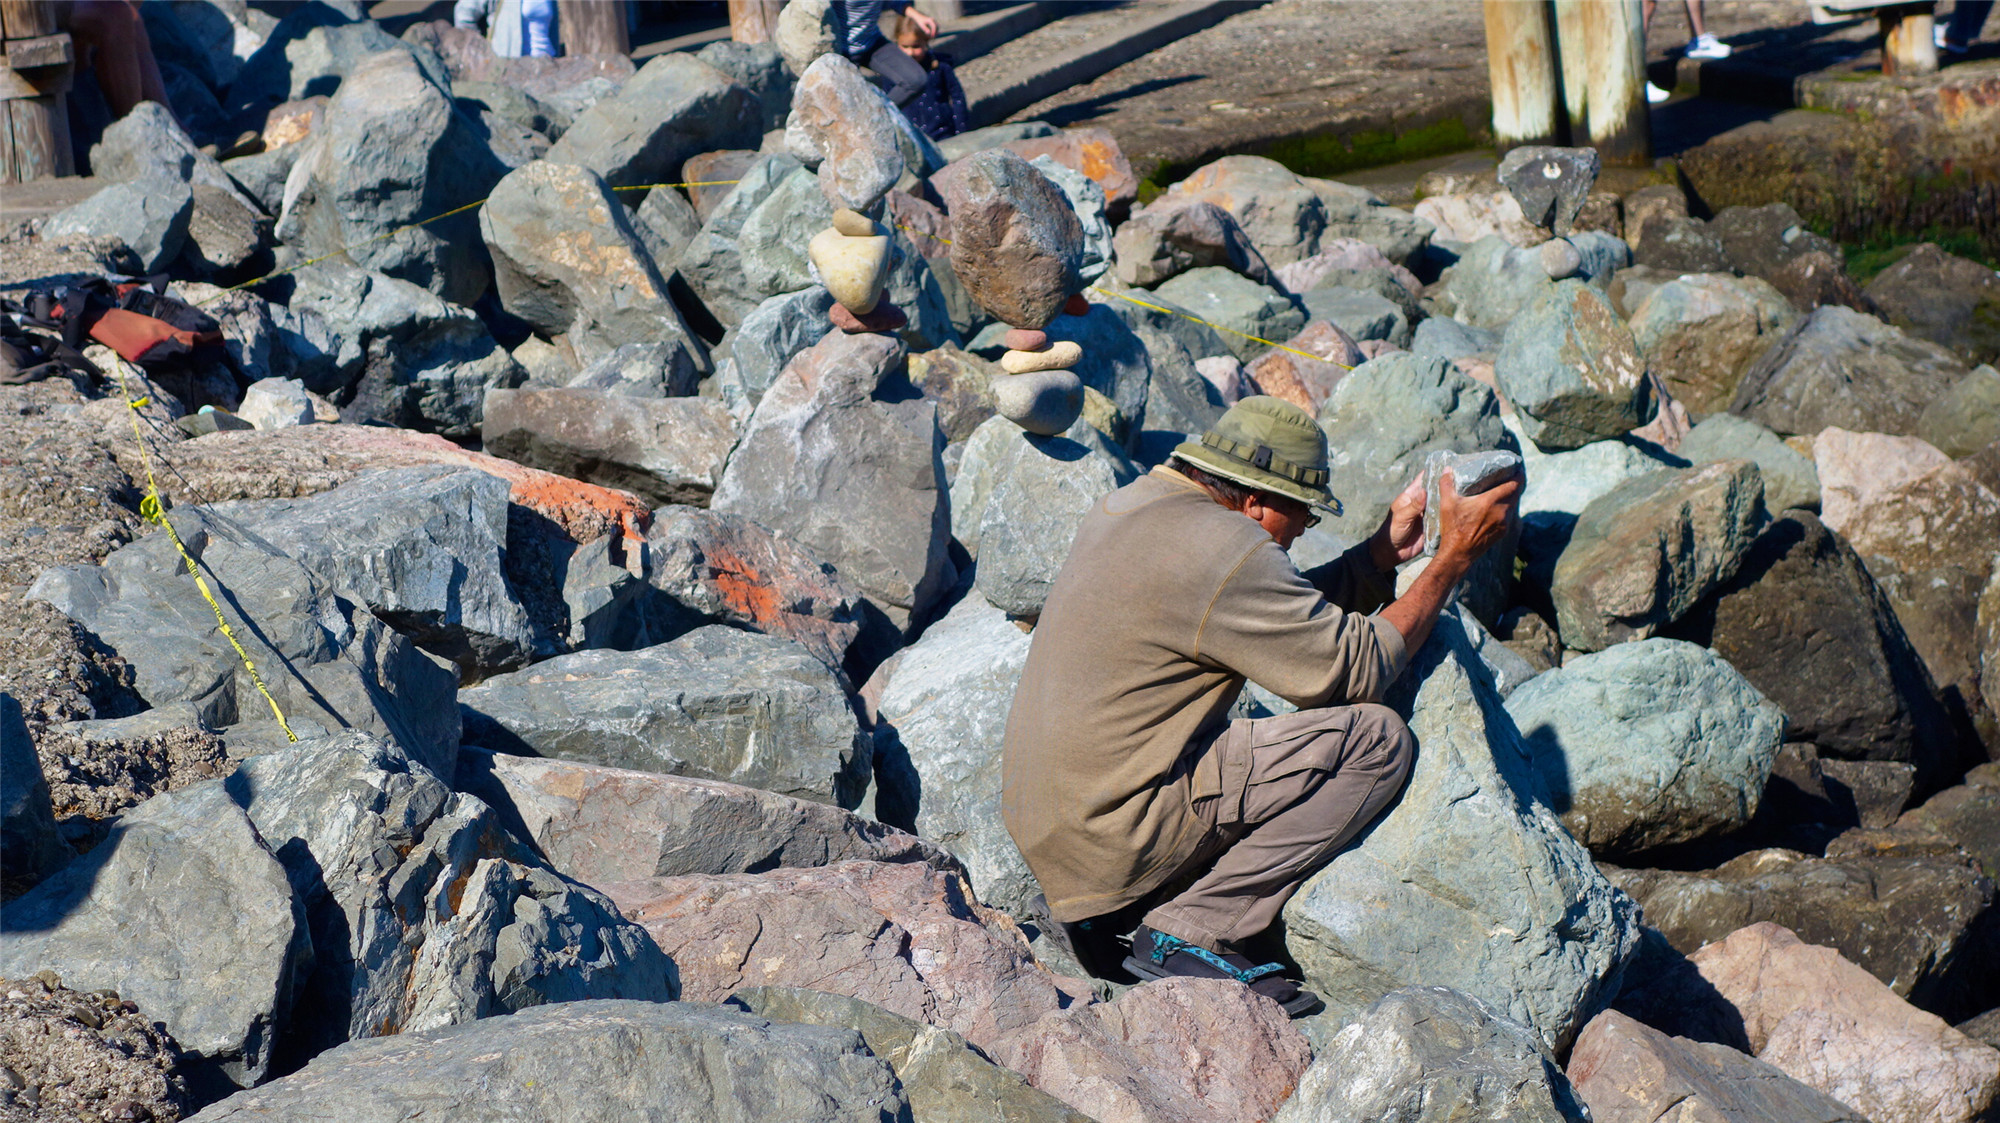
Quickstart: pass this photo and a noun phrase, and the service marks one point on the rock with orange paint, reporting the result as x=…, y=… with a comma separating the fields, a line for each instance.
x=907, y=937
x=602, y=825
x=1095, y=153
x=837, y=459
x=725, y=568
x=718, y=704
x=567, y=260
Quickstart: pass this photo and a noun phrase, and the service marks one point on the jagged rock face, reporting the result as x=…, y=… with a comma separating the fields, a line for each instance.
x=1570, y=367
x=137, y=915
x=1473, y=882
x=1624, y=1069
x=575, y=1062
x=717, y=703
x=842, y=122
x=1845, y=368
x=665, y=450
x=326, y=660
x=1432, y=1055
x=1700, y=333
x=675, y=107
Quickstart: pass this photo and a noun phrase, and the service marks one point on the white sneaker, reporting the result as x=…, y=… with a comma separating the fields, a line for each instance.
x=1655, y=94
x=1937, y=34
x=1707, y=46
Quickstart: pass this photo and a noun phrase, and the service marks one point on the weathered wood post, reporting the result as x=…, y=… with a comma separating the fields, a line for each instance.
x=1575, y=68
x=943, y=11
x=1907, y=44
x=1521, y=61
x=1616, y=119
x=754, y=21
x=36, y=63
x=593, y=27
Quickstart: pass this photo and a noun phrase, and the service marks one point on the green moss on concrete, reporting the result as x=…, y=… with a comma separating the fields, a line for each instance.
x=1327, y=154
x=1866, y=259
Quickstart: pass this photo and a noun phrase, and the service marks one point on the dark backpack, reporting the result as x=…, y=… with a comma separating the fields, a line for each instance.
x=139, y=321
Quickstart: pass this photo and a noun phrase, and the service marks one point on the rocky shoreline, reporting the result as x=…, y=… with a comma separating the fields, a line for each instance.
x=645, y=572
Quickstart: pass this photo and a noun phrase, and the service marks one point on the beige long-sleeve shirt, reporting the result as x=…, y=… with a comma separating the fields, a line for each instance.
x=1168, y=602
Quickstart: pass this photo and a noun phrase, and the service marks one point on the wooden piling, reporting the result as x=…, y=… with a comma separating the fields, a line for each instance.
x=37, y=61
x=1521, y=62
x=593, y=27
x=1617, y=120
x=754, y=21
x=1575, y=70
x=1907, y=44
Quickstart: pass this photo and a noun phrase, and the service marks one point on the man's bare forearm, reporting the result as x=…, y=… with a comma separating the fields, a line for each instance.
x=1413, y=613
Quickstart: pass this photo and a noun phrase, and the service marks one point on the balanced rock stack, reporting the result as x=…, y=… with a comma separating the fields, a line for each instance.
x=852, y=259
x=1017, y=247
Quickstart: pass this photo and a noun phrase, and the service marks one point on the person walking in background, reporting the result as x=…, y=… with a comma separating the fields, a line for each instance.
x=862, y=41
x=939, y=108
x=516, y=28
x=1967, y=18
x=1702, y=46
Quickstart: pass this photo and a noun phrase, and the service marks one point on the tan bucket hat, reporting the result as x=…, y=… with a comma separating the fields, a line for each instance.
x=1268, y=444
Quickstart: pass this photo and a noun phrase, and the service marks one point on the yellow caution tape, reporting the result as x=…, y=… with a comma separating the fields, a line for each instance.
x=153, y=510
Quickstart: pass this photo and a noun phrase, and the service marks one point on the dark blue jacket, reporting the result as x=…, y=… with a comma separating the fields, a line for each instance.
x=939, y=110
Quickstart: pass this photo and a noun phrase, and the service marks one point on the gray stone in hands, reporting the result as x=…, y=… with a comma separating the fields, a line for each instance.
x=1550, y=183
x=1472, y=473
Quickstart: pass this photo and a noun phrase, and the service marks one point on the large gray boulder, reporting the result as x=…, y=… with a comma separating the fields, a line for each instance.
x=1647, y=551
x=1227, y=298
x=641, y=370
x=388, y=351
x=943, y=715
x=326, y=660
x=1360, y=313
x=1648, y=744
x=675, y=107
x=1562, y=484
x=1805, y=623
x=1838, y=367
x=149, y=217
x=1790, y=479
x=424, y=548
x=148, y=144
x=1086, y=199
x=391, y=151
x=759, y=68
x=1290, y=216
x=767, y=339
x=1701, y=332
x=1388, y=415
x=30, y=848
x=312, y=51
x=579, y=1062
x=1494, y=281
x=1470, y=879
x=604, y=825
x=856, y=478
x=989, y=456
x=183, y=911
x=1569, y=366
x=567, y=261
x=715, y=704
x=942, y=1076
x=411, y=928
x=1038, y=496
x=712, y=261
x=665, y=450
x=1431, y=1054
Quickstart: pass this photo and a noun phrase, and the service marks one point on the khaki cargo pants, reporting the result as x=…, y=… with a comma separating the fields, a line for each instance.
x=1277, y=798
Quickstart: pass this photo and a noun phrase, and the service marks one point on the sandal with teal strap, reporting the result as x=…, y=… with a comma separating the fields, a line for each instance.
x=1156, y=955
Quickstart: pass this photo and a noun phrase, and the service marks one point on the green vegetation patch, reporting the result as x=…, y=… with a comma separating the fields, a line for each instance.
x=1868, y=258
x=1327, y=154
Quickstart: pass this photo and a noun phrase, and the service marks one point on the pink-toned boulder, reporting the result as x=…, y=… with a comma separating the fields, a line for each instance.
x=1307, y=380
x=1343, y=253
x=1177, y=1051
x=1470, y=217
x=1628, y=1072
x=1825, y=1022
x=908, y=938
x=601, y=825
x=1945, y=517
x=1855, y=469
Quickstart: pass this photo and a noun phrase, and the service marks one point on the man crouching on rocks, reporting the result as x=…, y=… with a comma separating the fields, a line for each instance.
x=1132, y=795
